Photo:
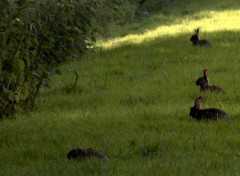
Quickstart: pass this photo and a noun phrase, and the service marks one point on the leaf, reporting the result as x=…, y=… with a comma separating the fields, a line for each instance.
x=24, y=91
x=17, y=55
x=18, y=66
x=27, y=61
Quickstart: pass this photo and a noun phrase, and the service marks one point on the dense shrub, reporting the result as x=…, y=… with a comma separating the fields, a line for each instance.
x=114, y=12
x=35, y=36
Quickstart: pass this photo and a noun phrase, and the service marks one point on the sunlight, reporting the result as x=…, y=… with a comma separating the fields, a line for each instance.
x=207, y=21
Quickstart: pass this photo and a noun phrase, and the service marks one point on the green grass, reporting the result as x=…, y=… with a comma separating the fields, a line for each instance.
x=132, y=103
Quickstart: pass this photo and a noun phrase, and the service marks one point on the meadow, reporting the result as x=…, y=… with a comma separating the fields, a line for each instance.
x=132, y=103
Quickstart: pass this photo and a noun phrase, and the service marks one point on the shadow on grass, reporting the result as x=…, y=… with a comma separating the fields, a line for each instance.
x=170, y=43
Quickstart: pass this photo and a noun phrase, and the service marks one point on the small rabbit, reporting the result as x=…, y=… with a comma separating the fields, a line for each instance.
x=210, y=114
x=80, y=154
x=195, y=39
x=204, y=84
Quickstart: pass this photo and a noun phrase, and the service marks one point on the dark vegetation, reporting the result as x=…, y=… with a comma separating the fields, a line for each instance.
x=80, y=154
x=37, y=36
x=120, y=12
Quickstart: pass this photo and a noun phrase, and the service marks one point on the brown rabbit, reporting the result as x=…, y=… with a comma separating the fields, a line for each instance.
x=210, y=114
x=204, y=84
x=195, y=39
x=80, y=154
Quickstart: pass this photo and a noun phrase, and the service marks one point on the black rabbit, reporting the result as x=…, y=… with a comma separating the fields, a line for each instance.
x=195, y=39
x=80, y=154
x=210, y=114
x=204, y=84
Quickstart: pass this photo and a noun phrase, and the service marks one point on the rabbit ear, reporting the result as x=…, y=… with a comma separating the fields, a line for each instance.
x=205, y=72
x=197, y=31
x=198, y=102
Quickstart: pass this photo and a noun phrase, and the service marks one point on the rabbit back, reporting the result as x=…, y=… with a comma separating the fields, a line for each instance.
x=208, y=114
x=204, y=43
x=215, y=88
x=214, y=114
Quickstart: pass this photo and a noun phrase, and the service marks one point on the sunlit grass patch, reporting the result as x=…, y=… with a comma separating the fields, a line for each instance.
x=207, y=21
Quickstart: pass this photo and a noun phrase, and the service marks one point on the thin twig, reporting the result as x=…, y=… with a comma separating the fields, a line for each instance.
x=69, y=90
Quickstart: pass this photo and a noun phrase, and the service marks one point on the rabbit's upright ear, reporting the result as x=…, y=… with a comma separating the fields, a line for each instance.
x=205, y=72
x=198, y=102
x=197, y=32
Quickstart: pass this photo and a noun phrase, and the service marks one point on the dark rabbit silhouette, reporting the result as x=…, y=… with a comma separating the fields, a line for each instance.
x=204, y=84
x=210, y=114
x=195, y=39
x=80, y=154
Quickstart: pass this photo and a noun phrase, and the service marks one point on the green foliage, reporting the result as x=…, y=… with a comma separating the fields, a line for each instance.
x=145, y=7
x=35, y=37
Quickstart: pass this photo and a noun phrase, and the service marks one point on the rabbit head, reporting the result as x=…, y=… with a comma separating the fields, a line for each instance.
x=76, y=153
x=194, y=111
x=194, y=39
x=198, y=102
x=203, y=82
x=205, y=72
x=79, y=154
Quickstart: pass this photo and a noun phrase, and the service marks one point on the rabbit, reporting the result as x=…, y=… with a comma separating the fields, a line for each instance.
x=209, y=114
x=80, y=154
x=204, y=84
x=195, y=39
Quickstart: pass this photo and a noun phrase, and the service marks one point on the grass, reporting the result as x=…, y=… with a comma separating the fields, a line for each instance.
x=132, y=103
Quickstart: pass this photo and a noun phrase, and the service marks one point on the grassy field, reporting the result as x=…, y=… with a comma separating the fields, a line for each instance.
x=132, y=103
